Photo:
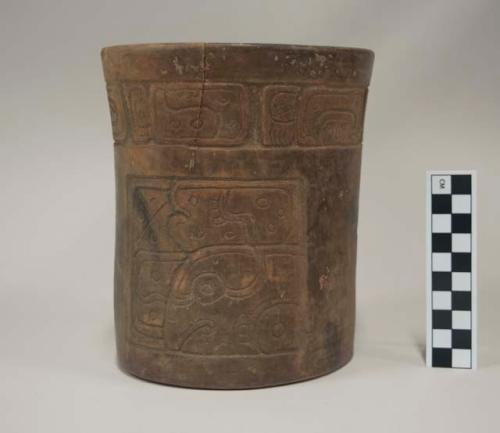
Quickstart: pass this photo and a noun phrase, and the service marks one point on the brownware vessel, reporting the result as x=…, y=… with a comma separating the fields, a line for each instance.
x=237, y=177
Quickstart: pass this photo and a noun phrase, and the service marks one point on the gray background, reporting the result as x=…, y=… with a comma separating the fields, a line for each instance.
x=434, y=103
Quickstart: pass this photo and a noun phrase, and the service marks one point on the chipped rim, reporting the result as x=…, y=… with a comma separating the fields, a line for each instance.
x=238, y=62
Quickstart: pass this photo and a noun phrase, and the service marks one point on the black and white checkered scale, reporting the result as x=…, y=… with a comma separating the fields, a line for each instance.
x=451, y=270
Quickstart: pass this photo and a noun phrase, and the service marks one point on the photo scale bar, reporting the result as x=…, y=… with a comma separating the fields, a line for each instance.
x=451, y=269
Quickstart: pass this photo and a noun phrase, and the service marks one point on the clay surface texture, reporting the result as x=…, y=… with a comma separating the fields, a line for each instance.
x=237, y=173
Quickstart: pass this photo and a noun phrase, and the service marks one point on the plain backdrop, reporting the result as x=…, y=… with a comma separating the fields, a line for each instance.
x=433, y=104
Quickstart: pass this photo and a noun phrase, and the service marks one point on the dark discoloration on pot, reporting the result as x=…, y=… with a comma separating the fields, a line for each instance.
x=237, y=170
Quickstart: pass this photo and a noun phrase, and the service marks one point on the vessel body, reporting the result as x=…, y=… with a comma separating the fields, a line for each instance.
x=237, y=177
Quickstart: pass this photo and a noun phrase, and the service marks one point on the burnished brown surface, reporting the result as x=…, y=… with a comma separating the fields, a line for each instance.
x=237, y=172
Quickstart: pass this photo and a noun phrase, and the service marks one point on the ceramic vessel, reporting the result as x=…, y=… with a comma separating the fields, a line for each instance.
x=237, y=177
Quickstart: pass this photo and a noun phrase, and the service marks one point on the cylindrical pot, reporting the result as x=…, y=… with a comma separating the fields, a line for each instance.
x=237, y=177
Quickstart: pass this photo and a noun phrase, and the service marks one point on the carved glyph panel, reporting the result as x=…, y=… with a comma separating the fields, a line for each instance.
x=117, y=111
x=204, y=114
x=312, y=116
x=140, y=122
x=197, y=114
x=217, y=114
x=202, y=246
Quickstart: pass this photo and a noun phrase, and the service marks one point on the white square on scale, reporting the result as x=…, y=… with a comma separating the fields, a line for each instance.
x=441, y=300
x=441, y=223
x=461, y=358
x=441, y=338
x=460, y=243
x=441, y=262
x=460, y=281
x=441, y=184
x=460, y=203
x=460, y=320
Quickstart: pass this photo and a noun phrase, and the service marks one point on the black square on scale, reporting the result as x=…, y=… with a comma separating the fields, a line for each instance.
x=461, y=223
x=461, y=301
x=441, y=357
x=441, y=319
x=441, y=281
x=441, y=242
x=461, y=184
x=461, y=262
x=461, y=339
x=441, y=203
